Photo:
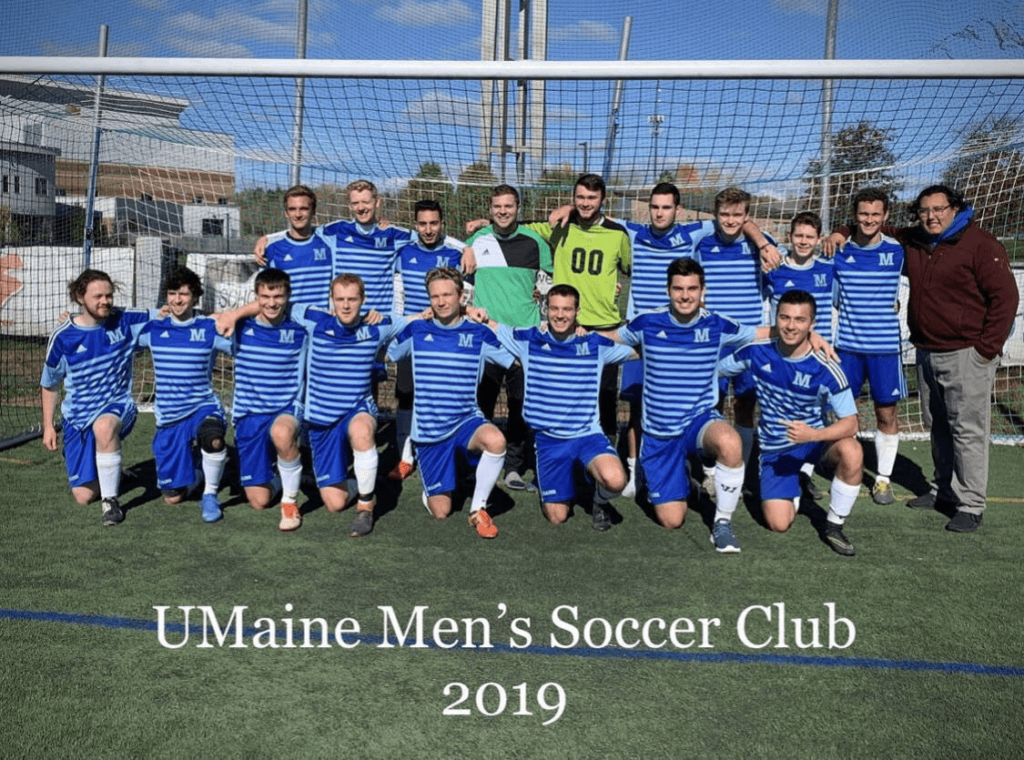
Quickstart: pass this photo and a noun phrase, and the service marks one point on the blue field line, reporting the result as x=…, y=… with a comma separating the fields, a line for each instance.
x=867, y=663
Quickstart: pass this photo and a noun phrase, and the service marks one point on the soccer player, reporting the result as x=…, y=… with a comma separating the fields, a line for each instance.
x=184, y=346
x=267, y=410
x=733, y=265
x=796, y=387
x=91, y=354
x=802, y=270
x=655, y=245
x=448, y=354
x=868, y=336
x=563, y=374
x=300, y=251
x=509, y=258
x=415, y=260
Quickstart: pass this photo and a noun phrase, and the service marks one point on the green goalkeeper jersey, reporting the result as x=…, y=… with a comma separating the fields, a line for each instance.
x=506, y=273
x=589, y=259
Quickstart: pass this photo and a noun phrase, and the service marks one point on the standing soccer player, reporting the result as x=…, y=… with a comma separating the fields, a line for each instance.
x=415, y=260
x=448, y=353
x=300, y=251
x=868, y=337
x=184, y=346
x=91, y=354
x=796, y=387
x=560, y=365
x=267, y=410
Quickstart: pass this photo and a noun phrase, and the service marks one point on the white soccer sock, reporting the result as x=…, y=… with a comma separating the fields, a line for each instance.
x=746, y=441
x=843, y=496
x=886, y=446
x=291, y=478
x=407, y=455
x=213, y=468
x=403, y=427
x=487, y=473
x=364, y=463
x=631, y=468
x=728, y=485
x=108, y=472
x=807, y=468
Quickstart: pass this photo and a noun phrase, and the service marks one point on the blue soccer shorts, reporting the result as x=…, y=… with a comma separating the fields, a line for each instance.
x=172, y=448
x=557, y=459
x=80, y=444
x=439, y=460
x=663, y=460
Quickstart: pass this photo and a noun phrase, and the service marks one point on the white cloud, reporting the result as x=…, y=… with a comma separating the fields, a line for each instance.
x=426, y=13
x=596, y=31
x=61, y=48
x=440, y=108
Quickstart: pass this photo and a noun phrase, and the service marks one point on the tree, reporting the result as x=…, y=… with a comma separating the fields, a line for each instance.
x=473, y=197
x=989, y=171
x=860, y=158
x=428, y=184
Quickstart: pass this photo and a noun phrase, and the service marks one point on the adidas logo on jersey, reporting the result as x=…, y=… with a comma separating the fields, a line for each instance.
x=790, y=284
x=661, y=334
x=545, y=347
x=850, y=259
x=429, y=338
x=413, y=261
x=348, y=239
x=896, y=392
x=165, y=334
x=330, y=332
x=81, y=349
x=767, y=367
x=250, y=331
x=288, y=257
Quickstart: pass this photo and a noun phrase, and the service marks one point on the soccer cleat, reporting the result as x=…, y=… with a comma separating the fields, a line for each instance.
x=362, y=523
x=809, y=488
x=291, y=519
x=211, y=508
x=112, y=512
x=515, y=481
x=602, y=520
x=723, y=538
x=402, y=470
x=881, y=493
x=481, y=521
x=964, y=522
x=838, y=541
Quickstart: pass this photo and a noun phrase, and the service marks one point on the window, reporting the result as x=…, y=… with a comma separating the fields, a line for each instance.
x=6, y=184
x=17, y=184
x=41, y=186
x=213, y=228
x=197, y=199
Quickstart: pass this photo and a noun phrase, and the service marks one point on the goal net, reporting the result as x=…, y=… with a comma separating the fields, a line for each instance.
x=191, y=169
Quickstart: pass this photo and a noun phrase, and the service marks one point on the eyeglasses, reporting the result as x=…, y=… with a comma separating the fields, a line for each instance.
x=922, y=212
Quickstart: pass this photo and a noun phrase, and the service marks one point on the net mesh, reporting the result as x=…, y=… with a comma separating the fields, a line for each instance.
x=192, y=169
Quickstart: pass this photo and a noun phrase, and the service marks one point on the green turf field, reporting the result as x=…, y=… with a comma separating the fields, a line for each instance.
x=935, y=669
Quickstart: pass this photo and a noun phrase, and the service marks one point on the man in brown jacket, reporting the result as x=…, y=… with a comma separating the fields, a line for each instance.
x=963, y=299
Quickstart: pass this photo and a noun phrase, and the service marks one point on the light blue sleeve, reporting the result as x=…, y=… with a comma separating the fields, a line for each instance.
x=616, y=353
x=507, y=338
x=842, y=403
x=744, y=335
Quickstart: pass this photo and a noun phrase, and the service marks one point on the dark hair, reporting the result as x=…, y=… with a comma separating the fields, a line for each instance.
x=955, y=197
x=563, y=290
x=78, y=286
x=870, y=195
x=300, y=191
x=797, y=296
x=666, y=188
x=427, y=204
x=806, y=217
x=505, y=190
x=273, y=278
x=685, y=268
x=592, y=182
x=181, y=277
x=731, y=196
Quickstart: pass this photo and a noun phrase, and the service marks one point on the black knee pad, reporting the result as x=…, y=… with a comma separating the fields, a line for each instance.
x=211, y=435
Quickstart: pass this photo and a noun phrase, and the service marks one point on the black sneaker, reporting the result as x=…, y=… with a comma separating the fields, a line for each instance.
x=112, y=512
x=602, y=520
x=931, y=500
x=838, y=541
x=362, y=523
x=964, y=522
x=809, y=488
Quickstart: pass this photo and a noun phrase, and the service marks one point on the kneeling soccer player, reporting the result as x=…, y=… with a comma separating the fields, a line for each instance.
x=184, y=346
x=796, y=387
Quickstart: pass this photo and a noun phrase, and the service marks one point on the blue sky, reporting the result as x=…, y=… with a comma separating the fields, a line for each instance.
x=426, y=122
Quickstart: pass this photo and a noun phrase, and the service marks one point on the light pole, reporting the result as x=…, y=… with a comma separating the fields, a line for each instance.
x=584, y=144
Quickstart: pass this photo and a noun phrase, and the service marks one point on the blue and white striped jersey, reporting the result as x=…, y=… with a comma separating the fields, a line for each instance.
x=868, y=286
x=732, y=272
x=308, y=264
x=680, y=362
x=652, y=254
x=370, y=253
x=791, y=390
x=562, y=378
x=414, y=261
x=339, y=363
x=270, y=365
x=817, y=277
x=447, y=362
x=183, y=355
x=94, y=363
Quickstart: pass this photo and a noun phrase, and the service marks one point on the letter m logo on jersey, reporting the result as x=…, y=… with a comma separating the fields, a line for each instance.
x=802, y=380
x=286, y=336
x=583, y=350
x=465, y=341
x=442, y=261
x=702, y=335
x=885, y=259
x=197, y=334
x=676, y=241
x=363, y=333
x=820, y=281
x=115, y=336
x=380, y=242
